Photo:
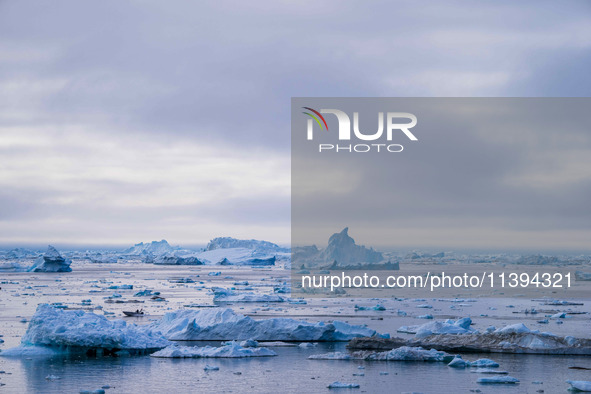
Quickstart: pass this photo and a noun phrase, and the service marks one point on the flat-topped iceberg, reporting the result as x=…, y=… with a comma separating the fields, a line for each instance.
x=230, y=243
x=75, y=331
x=51, y=261
x=229, y=350
x=220, y=324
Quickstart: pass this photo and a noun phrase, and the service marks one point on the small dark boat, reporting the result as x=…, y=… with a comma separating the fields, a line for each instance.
x=136, y=313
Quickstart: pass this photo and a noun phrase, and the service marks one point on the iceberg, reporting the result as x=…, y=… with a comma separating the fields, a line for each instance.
x=579, y=385
x=460, y=326
x=458, y=362
x=484, y=363
x=231, y=243
x=51, y=261
x=220, y=324
x=581, y=275
x=515, y=338
x=229, y=350
x=239, y=256
x=169, y=259
x=154, y=248
x=55, y=329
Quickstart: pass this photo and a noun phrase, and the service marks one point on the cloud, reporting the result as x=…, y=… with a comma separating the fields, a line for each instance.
x=112, y=106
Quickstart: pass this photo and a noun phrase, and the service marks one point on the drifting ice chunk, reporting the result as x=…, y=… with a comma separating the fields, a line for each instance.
x=484, y=363
x=56, y=328
x=457, y=362
x=51, y=261
x=498, y=379
x=579, y=385
x=219, y=324
x=332, y=356
x=229, y=350
x=341, y=385
x=229, y=295
x=580, y=275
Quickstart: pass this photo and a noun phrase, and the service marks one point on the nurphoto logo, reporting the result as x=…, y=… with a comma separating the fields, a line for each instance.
x=393, y=126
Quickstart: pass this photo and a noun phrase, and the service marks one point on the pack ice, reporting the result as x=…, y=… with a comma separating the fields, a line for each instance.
x=403, y=353
x=229, y=295
x=51, y=261
x=228, y=350
x=224, y=324
x=78, y=331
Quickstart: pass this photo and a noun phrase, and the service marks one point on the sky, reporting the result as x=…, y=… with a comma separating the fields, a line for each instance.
x=135, y=121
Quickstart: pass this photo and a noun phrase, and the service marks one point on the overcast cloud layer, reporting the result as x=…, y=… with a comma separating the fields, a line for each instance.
x=129, y=121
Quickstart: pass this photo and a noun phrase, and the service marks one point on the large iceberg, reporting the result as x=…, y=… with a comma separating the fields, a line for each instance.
x=239, y=256
x=79, y=331
x=341, y=254
x=51, y=261
x=224, y=324
x=229, y=350
x=155, y=248
x=230, y=243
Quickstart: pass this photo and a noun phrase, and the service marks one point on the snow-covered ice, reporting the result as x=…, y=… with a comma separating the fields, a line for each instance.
x=580, y=385
x=58, y=329
x=225, y=324
x=460, y=326
x=228, y=350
